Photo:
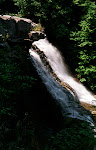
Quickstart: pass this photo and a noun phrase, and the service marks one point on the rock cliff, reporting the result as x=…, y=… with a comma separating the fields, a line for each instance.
x=18, y=30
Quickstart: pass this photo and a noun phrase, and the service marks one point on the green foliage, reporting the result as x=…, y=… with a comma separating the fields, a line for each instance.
x=86, y=45
x=38, y=28
x=57, y=17
x=87, y=68
x=15, y=80
x=29, y=8
x=78, y=136
x=16, y=134
x=7, y=6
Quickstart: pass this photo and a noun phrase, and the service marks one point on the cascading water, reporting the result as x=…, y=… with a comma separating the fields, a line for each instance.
x=63, y=97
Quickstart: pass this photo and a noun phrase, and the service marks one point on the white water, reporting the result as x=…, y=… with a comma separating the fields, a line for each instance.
x=63, y=97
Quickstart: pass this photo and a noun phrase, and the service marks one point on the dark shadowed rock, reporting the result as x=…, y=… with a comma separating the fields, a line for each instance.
x=18, y=30
x=14, y=28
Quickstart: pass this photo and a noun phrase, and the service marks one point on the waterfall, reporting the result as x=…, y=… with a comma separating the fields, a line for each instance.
x=63, y=97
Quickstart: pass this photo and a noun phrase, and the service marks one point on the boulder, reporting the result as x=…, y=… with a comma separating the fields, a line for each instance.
x=36, y=35
x=17, y=30
x=12, y=27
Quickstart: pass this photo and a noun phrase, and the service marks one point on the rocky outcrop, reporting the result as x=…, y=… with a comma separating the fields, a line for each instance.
x=15, y=29
x=35, y=35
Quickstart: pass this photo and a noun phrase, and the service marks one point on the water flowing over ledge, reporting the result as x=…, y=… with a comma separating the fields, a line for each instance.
x=63, y=97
